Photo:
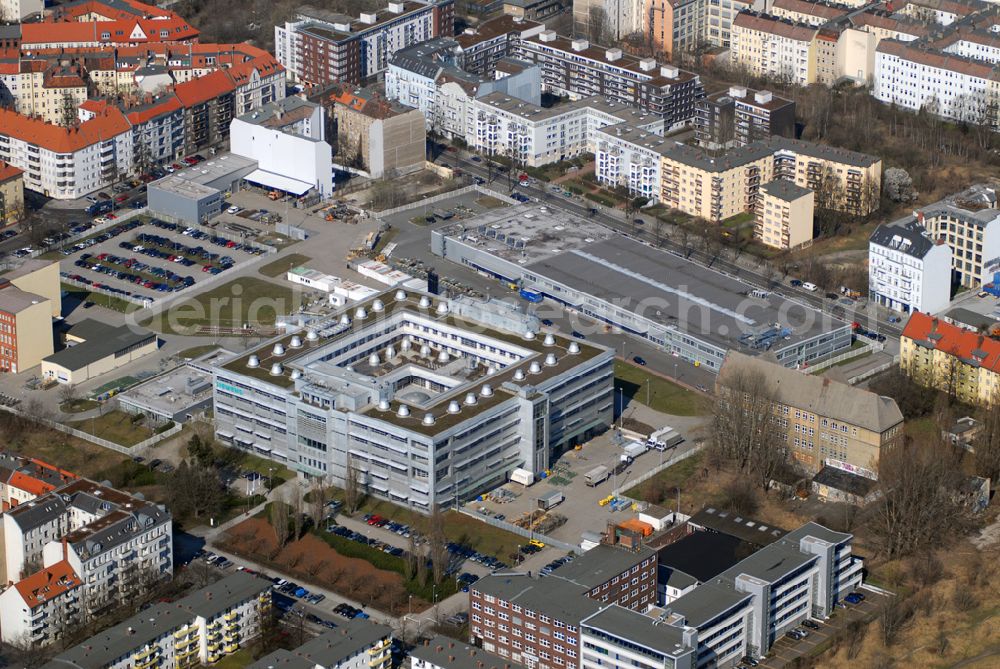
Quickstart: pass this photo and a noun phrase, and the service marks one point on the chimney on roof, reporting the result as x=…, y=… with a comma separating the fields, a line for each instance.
x=65, y=545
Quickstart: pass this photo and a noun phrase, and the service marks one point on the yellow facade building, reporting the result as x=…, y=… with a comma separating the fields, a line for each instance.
x=784, y=216
x=962, y=363
x=826, y=423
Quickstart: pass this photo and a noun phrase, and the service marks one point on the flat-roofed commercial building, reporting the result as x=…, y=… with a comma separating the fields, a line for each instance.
x=687, y=310
x=825, y=422
x=94, y=348
x=403, y=389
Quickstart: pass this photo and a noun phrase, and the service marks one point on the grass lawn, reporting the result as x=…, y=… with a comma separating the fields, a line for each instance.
x=67, y=452
x=197, y=351
x=116, y=426
x=384, y=239
x=260, y=465
x=490, y=202
x=738, y=220
x=238, y=660
x=244, y=300
x=671, y=477
x=81, y=295
x=281, y=265
x=78, y=405
x=664, y=395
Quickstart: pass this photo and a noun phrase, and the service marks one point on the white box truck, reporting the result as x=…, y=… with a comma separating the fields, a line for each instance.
x=522, y=476
x=634, y=449
x=664, y=438
x=597, y=475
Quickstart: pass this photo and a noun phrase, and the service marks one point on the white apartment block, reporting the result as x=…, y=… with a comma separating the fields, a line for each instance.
x=427, y=77
x=907, y=268
x=948, y=85
x=113, y=542
x=41, y=609
x=67, y=163
x=533, y=136
x=630, y=157
x=767, y=46
x=201, y=628
x=621, y=17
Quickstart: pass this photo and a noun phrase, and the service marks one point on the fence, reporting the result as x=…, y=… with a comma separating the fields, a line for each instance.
x=869, y=347
x=867, y=374
x=527, y=534
x=131, y=451
x=90, y=288
x=475, y=188
x=673, y=460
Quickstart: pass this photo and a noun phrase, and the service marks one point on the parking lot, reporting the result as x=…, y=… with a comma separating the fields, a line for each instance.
x=147, y=258
x=581, y=509
x=785, y=650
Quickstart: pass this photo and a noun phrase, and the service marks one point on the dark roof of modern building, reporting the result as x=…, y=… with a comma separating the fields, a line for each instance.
x=785, y=190
x=839, y=479
x=554, y=597
x=707, y=602
x=448, y=653
x=823, y=151
x=601, y=564
x=704, y=555
x=905, y=235
x=636, y=628
x=100, y=341
x=727, y=522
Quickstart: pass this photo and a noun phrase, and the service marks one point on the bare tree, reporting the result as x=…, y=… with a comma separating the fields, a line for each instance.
x=319, y=495
x=437, y=543
x=599, y=26
x=279, y=520
x=986, y=445
x=298, y=513
x=352, y=487
x=917, y=508
x=745, y=429
x=68, y=394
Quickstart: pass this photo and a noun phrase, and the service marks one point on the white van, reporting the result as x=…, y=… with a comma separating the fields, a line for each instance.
x=811, y=287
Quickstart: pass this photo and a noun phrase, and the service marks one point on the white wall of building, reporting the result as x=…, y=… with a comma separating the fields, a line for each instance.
x=905, y=283
x=294, y=156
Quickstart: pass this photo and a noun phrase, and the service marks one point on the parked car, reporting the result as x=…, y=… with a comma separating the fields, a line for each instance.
x=811, y=624
x=639, y=360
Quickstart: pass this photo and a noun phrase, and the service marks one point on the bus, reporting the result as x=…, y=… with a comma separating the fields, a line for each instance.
x=531, y=294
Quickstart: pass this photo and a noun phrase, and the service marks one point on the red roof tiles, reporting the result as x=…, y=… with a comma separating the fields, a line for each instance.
x=103, y=127
x=953, y=340
x=48, y=583
x=203, y=89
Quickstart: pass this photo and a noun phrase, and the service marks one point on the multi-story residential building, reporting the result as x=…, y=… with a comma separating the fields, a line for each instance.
x=532, y=135
x=715, y=189
x=809, y=12
x=578, y=70
x=617, y=19
x=947, y=84
x=42, y=608
x=771, y=47
x=319, y=48
x=29, y=300
x=907, y=266
x=739, y=115
x=533, y=10
x=784, y=215
x=491, y=41
x=287, y=138
x=950, y=358
x=384, y=136
x=679, y=26
x=426, y=411
x=354, y=644
x=969, y=223
x=116, y=543
x=427, y=77
x=24, y=479
x=942, y=12
x=201, y=628
x=536, y=621
x=825, y=423
x=630, y=157
x=843, y=180
x=11, y=194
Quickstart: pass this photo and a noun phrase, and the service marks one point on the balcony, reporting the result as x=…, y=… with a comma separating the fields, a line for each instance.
x=231, y=616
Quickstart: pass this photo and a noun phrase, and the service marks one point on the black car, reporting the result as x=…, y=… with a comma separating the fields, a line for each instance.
x=546, y=321
x=578, y=335
x=639, y=360
x=810, y=624
x=795, y=282
x=153, y=464
x=639, y=221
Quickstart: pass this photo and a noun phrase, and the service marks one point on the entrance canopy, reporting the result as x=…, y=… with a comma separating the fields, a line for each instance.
x=278, y=182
